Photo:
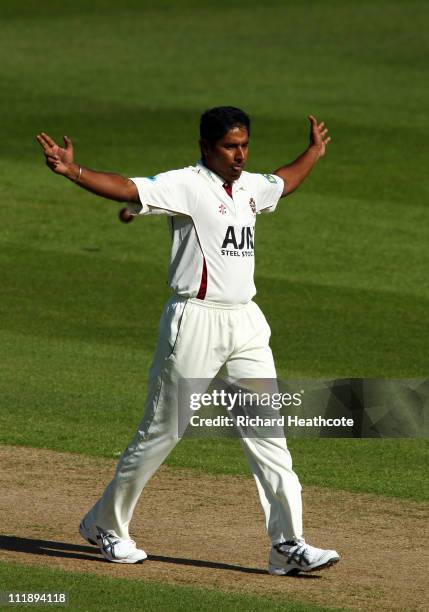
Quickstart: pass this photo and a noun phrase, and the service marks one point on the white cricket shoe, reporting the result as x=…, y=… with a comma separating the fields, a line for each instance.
x=293, y=557
x=112, y=547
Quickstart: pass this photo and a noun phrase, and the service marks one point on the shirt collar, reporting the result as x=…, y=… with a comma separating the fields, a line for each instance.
x=215, y=177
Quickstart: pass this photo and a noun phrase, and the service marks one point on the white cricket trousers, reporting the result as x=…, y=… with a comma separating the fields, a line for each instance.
x=197, y=339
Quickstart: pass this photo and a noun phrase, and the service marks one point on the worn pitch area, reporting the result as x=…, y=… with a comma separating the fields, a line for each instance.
x=208, y=531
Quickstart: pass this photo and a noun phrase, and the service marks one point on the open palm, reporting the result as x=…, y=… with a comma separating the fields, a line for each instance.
x=59, y=159
x=318, y=134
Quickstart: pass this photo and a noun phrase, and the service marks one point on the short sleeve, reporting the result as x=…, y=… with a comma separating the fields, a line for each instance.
x=168, y=193
x=269, y=189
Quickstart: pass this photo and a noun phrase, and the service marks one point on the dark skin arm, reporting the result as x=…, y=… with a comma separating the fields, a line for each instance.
x=294, y=173
x=108, y=185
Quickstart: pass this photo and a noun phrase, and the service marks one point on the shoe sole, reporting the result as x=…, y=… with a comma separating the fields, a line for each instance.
x=282, y=571
x=138, y=562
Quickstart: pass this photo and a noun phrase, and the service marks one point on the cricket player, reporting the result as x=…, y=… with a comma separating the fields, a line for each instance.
x=210, y=323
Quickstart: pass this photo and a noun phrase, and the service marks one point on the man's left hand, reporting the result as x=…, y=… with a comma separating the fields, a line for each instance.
x=318, y=138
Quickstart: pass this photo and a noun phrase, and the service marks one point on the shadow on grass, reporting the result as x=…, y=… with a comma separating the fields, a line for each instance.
x=90, y=553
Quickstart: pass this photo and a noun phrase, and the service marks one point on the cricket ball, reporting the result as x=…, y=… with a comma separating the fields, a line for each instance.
x=125, y=215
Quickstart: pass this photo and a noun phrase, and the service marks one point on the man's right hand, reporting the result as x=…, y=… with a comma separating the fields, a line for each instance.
x=59, y=159
x=105, y=184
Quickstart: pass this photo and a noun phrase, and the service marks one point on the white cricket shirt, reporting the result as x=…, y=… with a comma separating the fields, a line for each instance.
x=212, y=255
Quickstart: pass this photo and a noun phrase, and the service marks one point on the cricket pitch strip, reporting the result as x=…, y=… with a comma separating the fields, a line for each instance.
x=208, y=531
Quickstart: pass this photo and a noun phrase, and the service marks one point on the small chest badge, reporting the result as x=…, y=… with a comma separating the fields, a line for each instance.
x=252, y=205
x=222, y=209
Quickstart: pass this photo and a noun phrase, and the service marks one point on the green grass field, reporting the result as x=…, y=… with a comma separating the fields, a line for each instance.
x=89, y=592
x=341, y=268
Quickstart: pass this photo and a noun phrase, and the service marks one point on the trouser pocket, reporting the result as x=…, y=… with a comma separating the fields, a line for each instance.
x=171, y=327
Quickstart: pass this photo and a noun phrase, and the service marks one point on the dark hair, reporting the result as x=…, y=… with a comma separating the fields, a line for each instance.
x=216, y=122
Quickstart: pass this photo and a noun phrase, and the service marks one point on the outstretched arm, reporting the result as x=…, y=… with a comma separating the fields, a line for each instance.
x=60, y=160
x=293, y=174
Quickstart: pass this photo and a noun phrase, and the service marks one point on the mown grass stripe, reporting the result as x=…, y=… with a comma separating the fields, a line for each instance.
x=92, y=592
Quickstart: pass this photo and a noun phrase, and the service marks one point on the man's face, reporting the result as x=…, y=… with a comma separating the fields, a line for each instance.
x=228, y=155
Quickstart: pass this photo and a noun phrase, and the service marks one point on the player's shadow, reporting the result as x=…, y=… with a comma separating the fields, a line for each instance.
x=50, y=548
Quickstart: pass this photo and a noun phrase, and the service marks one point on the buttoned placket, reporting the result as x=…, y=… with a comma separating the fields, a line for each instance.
x=238, y=193
x=228, y=187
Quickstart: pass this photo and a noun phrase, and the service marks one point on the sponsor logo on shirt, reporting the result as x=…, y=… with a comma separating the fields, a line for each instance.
x=238, y=243
x=270, y=178
x=252, y=205
x=222, y=209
